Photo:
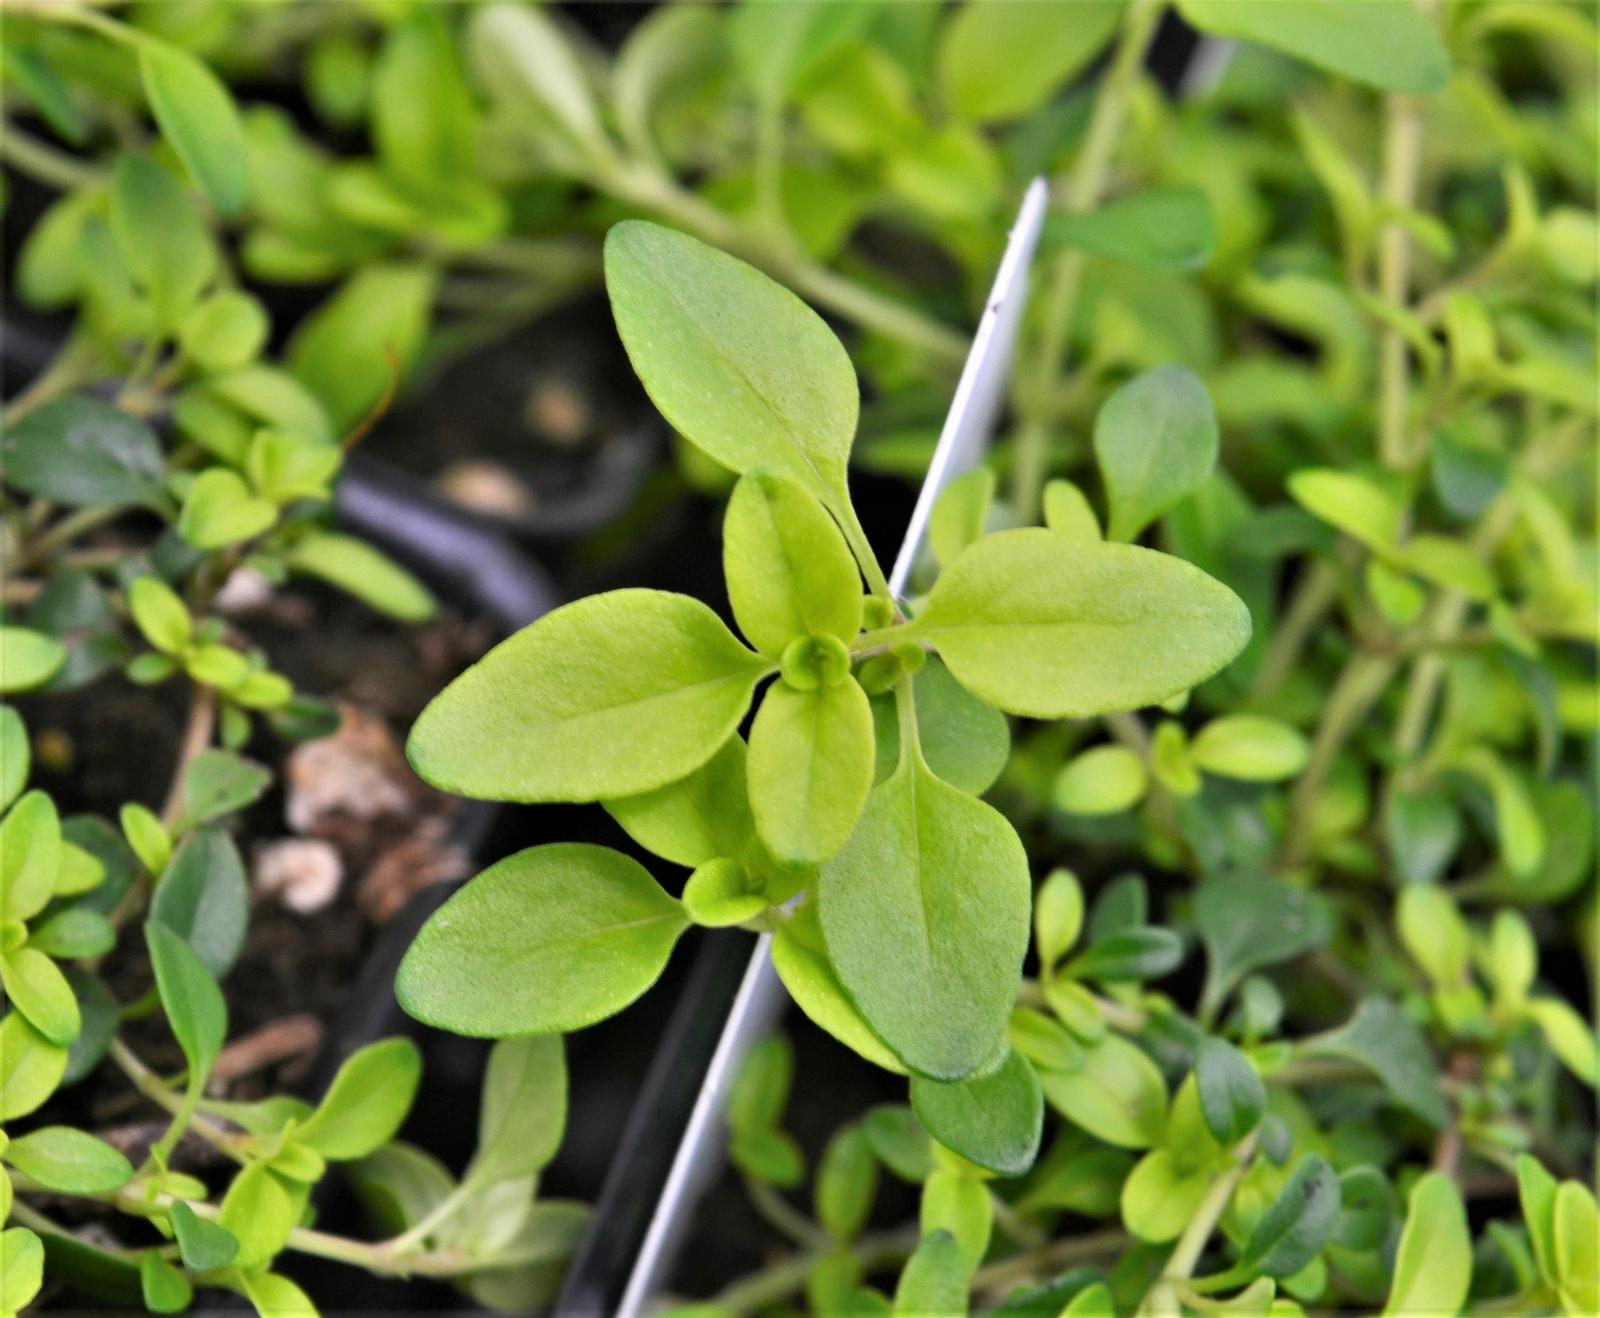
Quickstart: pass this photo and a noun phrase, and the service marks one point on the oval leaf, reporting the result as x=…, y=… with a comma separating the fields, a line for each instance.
x=995, y=1120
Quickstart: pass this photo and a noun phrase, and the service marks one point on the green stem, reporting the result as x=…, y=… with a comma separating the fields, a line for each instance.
x=432, y=1221
x=1316, y=593
x=1082, y=191
x=44, y=163
x=1048, y=1259
x=788, y=1277
x=781, y=1214
x=150, y=1085
x=1162, y=1299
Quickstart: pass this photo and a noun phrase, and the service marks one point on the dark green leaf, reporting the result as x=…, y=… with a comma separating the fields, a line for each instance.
x=1246, y=923
x=205, y=1245
x=1170, y=228
x=1147, y=953
x=193, y=1002
x=1294, y=1229
x=84, y=453
x=218, y=783
x=1383, y=1038
x=995, y=1120
x=1232, y=1097
x=204, y=898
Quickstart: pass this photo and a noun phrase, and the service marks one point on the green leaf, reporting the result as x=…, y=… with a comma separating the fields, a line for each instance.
x=163, y=1288
x=964, y=741
x=1433, y=1267
x=899, y=1142
x=768, y=1155
x=147, y=837
x=224, y=331
x=524, y=56
x=960, y=514
x=1364, y=510
x=801, y=960
x=422, y=111
x=21, y=1267
x=1251, y=748
x=28, y=658
x=1038, y=624
x=218, y=783
x=1298, y=1223
x=1057, y=915
x=777, y=46
x=1570, y=1036
x=16, y=756
x=30, y=1067
x=37, y=989
x=368, y=1099
x=84, y=453
x=1430, y=925
x=204, y=898
x=1103, y=780
x=789, y=571
x=30, y=856
x=1577, y=1247
x=1167, y=228
x=277, y=1297
x=695, y=819
x=723, y=892
x=1388, y=44
x=350, y=349
x=1118, y=1095
x=810, y=768
x=948, y=873
x=551, y=939
x=73, y=934
x=197, y=116
x=160, y=614
x=219, y=510
x=204, y=1245
x=1383, y=1038
x=259, y=1212
x=959, y=1203
x=610, y=696
x=847, y=1183
x=523, y=1113
x=1367, y=1207
x=1067, y=511
x=1246, y=923
x=761, y=1088
x=1161, y=1194
x=1156, y=441
x=1000, y=61
x=735, y=362
x=161, y=237
x=934, y=1280
x=190, y=997
x=1232, y=1097
x=358, y=569
x=995, y=1120
x=69, y=1161
x=1129, y=954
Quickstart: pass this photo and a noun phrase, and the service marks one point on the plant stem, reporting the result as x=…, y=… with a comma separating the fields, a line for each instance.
x=196, y=737
x=1081, y=192
x=781, y=1214
x=150, y=1085
x=1163, y=1296
x=789, y=1276
x=44, y=163
x=1315, y=593
x=1053, y=1257
x=68, y=529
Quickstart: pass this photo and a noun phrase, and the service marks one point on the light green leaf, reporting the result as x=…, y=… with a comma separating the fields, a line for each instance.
x=197, y=116
x=1103, y=780
x=1389, y=44
x=21, y=1267
x=1570, y=1036
x=1453, y=564
x=947, y=872
x=768, y=1155
x=259, y=1212
x=277, y=1297
x=959, y=1203
x=358, y=569
x=522, y=54
x=84, y=453
x=160, y=614
x=999, y=61
x=38, y=989
x=28, y=658
x=1161, y=1195
x=15, y=756
x=1536, y=1190
x=1156, y=441
x=368, y=1099
x=551, y=939
x=1168, y=228
x=790, y=573
x=30, y=1067
x=1293, y=1230
x=348, y=351
x=204, y=898
x=934, y=1280
x=163, y=1287
x=1038, y=624
x=1576, y=1225
x=1250, y=747
x=163, y=242
x=219, y=782
x=70, y=1161
x=1118, y=1095
x=810, y=768
x=723, y=892
x=1057, y=915
x=847, y=1183
x=1361, y=508
x=1067, y=511
x=422, y=110
x=799, y=957
x=961, y=514
x=219, y=510
x=1232, y=1097
x=1431, y=927
x=696, y=819
x=761, y=1089
x=609, y=696
x=204, y=1245
x=190, y=997
x=778, y=44
x=30, y=856
x=964, y=741
x=995, y=1120
x=736, y=363
x=523, y=1112
x=224, y=331
x=1433, y=1267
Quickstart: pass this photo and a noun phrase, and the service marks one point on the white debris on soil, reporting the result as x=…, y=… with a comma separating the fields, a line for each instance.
x=245, y=592
x=349, y=781
x=486, y=487
x=301, y=872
